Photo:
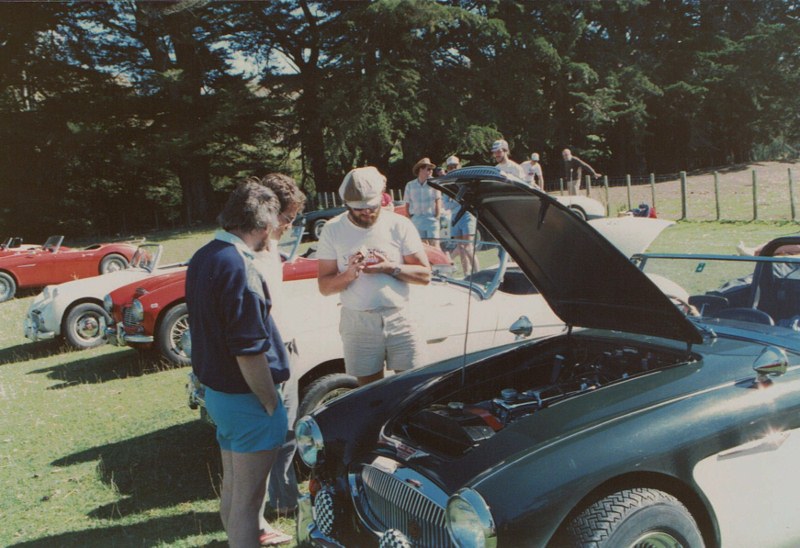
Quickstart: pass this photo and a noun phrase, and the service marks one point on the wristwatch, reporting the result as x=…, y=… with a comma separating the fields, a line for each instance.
x=396, y=272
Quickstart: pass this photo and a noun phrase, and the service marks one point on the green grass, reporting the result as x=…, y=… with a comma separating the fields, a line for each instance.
x=98, y=448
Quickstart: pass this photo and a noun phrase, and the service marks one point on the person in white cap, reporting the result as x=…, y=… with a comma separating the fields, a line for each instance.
x=504, y=162
x=370, y=256
x=532, y=171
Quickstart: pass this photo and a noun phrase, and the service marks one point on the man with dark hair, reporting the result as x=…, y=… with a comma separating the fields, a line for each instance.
x=238, y=354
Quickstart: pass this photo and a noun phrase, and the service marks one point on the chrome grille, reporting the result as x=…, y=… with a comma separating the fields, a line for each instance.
x=396, y=504
x=127, y=316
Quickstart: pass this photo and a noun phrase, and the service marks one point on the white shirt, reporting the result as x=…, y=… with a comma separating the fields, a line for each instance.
x=529, y=169
x=392, y=235
x=512, y=167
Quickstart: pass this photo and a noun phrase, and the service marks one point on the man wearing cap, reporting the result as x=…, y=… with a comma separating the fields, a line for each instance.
x=532, y=171
x=370, y=256
x=504, y=162
x=424, y=202
x=573, y=169
x=464, y=229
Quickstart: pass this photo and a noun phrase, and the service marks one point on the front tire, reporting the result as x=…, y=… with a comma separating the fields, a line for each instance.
x=85, y=325
x=316, y=229
x=112, y=263
x=579, y=212
x=170, y=333
x=325, y=389
x=8, y=287
x=635, y=517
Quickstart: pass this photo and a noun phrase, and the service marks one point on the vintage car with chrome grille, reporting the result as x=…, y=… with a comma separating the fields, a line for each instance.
x=74, y=310
x=53, y=263
x=655, y=419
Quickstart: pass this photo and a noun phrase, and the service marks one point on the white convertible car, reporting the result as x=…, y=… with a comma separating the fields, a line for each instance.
x=74, y=310
x=499, y=300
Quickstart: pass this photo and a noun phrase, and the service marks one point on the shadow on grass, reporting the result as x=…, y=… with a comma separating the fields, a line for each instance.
x=149, y=533
x=162, y=469
x=31, y=351
x=99, y=369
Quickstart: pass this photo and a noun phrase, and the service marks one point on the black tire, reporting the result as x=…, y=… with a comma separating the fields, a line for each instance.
x=8, y=287
x=635, y=517
x=85, y=326
x=112, y=263
x=325, y=389
x=316, y=228
x=578, y=210
x=170, y=331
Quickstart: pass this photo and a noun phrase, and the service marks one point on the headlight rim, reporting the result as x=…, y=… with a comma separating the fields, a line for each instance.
x=482, y=514
x=310, y=444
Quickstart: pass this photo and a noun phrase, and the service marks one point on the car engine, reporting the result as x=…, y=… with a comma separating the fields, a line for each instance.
x=475, y=413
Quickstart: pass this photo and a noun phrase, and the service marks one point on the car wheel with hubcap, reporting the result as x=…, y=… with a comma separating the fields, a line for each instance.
x=112, y=263
x=170, y=333
x=635, y=517
x=325, y=389
x=8, y=287
x=85, y=326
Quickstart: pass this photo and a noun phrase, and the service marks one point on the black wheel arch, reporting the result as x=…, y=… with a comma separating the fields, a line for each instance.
x=320, y=370
x=690, y=496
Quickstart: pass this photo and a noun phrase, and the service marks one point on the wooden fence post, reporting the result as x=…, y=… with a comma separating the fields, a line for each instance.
x=791, y=196
x=653, y=189
x=716, y=192
x=628, y=184
x=561, y=185
x=588, y=185
x=755, y=196
x=608, y=203
x=683, y=195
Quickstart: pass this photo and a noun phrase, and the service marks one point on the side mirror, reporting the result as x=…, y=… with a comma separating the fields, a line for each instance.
x=522, y=327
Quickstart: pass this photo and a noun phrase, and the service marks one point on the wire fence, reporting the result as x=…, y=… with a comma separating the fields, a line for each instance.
x=730, y=194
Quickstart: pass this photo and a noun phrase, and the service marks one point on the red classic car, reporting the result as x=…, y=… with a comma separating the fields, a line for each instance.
x=13, y=244
x=53, y=263
x=152, y=313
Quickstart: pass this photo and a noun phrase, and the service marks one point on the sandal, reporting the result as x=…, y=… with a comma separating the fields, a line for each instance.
x=273, y=537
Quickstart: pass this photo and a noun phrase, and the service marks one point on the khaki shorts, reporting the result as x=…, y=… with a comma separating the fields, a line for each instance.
x=372, y=337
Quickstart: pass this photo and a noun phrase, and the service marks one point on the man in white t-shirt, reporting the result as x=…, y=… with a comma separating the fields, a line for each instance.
x=369, y=256
x=506, y=164
x=532, y=171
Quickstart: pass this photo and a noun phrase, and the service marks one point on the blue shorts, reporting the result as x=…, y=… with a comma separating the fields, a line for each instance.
x=466, y=226
x=428, y=227
x=243, y=425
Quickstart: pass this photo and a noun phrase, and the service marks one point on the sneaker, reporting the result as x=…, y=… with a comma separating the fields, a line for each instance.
x=273, y=537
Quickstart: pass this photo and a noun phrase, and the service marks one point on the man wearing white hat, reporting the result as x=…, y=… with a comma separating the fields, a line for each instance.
x=532, y=171
x=504, y=162
x=369, y=256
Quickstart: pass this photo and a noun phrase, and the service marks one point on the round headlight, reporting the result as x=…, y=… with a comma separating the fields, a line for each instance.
x=469, y=520
x=137, y=311
x=309, y=440
x=108, y=304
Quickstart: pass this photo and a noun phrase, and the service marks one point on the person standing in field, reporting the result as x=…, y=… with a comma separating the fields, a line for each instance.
x=532, y=171
x=238, y=354
x=573, y=171
x=504, y=162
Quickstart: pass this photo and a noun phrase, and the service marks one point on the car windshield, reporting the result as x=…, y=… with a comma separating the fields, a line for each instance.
x=290, y=242
x=53, y=243
x=483, y=267
x=762, y=290
x=146, y=257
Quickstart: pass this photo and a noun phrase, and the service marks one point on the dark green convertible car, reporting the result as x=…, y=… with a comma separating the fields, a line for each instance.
x=667, y=414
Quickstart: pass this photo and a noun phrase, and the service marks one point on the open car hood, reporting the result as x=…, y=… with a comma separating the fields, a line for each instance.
x=584, y=278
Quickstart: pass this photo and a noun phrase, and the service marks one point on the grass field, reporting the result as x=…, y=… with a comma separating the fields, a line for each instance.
x=98, y=447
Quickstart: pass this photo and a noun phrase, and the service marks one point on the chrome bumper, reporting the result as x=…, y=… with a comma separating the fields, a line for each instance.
x=32, y=331
x=115, y=335
x=307, y=532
